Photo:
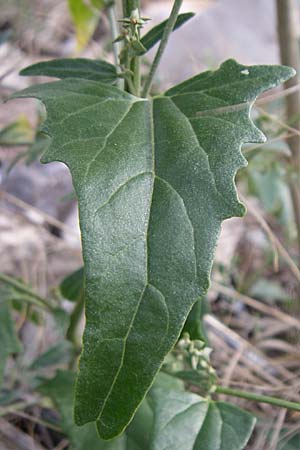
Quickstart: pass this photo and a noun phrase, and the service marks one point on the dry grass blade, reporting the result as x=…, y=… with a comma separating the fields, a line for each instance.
x=279, y=122
x=11, y=438
x=255, y=304
x=269, y=141
x=265, y=367
x=49, y=219
x=277, y=428
x=268, y=98
x=274, y=240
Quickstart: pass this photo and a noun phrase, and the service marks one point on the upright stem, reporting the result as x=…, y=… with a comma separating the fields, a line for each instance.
x=114, y=34
x=289, y=51
x=258, y=398
x=132, y=8
x=163, y=43
x=129, y=6
x=136, y=75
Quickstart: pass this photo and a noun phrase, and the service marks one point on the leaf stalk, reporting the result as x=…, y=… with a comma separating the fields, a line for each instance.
x=258, y=398
x=163, y=43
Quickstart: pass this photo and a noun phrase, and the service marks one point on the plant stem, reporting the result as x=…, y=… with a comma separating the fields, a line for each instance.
x=258, y=398
x=289, y=51
x=75, y=319
x=136, y=75
x=129, y=6
x=163, y=43
x=114, y=34
x=33, y=297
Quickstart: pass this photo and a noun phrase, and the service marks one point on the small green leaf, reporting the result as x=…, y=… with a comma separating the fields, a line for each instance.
x=88, y=69
x=155, y=34
x=58, y=354
x=9, y=341
x=185, y=420
x=154, y=181
x=71, y=287
x=85, y=19
x=194, y=323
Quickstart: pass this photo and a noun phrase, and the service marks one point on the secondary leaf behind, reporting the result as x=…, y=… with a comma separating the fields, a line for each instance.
x=185, y=420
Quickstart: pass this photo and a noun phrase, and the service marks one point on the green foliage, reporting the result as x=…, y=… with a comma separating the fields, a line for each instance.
x=183, y=420
x=57, y=355
x=88, y=69
x=71, y=287
x=155, y=34
x=154, y=180
x=290, y=444
x=60, y=390
x=17, y=133
x=85, y=18
x=194, y=322
x=267, y=179
x=169, y=417
x=8, y=337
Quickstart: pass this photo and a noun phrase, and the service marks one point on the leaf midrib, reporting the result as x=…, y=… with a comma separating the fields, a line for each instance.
x=147, y=281
x=147, y=268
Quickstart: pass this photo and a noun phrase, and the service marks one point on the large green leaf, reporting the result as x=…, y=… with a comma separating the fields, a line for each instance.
x=89, y=69
x=154, y=180
x=186, y=421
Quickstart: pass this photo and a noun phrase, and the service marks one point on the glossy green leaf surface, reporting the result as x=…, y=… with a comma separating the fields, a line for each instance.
x=89, y=69
x=155, y=34
x=183, y=420
x=154, y=180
